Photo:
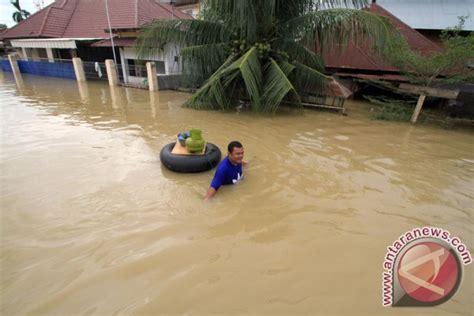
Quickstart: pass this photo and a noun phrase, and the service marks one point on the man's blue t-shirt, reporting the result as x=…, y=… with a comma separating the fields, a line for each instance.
x=226, y=173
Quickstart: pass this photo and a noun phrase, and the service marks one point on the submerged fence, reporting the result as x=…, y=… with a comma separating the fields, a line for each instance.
x=134, y=75
x=94, y=70
x=5, y=64
x=60, y=68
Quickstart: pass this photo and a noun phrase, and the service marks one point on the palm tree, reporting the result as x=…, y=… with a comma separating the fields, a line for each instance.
x=20, y=14
x=257, y=50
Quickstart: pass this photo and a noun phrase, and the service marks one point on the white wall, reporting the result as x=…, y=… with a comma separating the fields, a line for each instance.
x=167, y=56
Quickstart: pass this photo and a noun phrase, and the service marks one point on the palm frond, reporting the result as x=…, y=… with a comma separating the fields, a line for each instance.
x=277, y=85
x=201, y=61
x=286, y=67
x=182, y=32
x=250, y=70
x=240, y=15
x=309, y=80
x=329, y=4
x=286, y=10
x=213, y=93
x=297, y=51
x=339, y=26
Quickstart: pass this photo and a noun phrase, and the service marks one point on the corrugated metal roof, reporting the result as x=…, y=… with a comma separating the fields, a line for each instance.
x=431, y=14
x=49, y=42
x=87, y=18
x=387, y=77
x=360, y=56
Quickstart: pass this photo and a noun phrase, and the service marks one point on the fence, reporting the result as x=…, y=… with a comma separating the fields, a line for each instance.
x=61, y=68
x=5, y=64
x=95, y=70
x=137, y=76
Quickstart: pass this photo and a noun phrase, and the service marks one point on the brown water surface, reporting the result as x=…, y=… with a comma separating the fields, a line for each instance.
x=91, y=223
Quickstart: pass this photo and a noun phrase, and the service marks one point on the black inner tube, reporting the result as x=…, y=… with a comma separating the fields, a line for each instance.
x=190, y=163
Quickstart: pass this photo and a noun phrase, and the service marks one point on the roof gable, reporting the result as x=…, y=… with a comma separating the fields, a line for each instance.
x=88, y=18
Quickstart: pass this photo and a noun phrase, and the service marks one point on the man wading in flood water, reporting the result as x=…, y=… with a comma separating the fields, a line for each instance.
x=229, y=170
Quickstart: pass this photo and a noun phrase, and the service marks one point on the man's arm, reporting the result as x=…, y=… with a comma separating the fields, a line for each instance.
x=210, y=193
x=215, y=185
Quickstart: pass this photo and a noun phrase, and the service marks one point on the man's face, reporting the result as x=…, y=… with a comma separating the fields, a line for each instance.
x=236, y=155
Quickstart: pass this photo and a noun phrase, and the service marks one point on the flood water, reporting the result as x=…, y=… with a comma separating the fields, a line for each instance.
x=92, y=224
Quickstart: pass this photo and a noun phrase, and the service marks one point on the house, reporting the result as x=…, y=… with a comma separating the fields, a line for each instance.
x=80, y=28
x=190, y=7
x=358, y=61
x=430, y=17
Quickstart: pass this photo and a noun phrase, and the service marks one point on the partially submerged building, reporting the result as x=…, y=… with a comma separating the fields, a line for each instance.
x=431, y=17
x=81, y=28
x=358, y=61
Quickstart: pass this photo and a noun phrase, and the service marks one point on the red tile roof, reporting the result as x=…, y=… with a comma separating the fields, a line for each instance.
x=88, y=19
x=361, y=57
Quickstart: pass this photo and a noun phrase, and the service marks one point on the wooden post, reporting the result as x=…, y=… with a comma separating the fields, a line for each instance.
x=111, y=72
x=78, y=69
x=151, y=74
x=419, y=105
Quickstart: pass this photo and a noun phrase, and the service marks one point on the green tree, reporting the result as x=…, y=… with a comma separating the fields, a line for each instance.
x=449, y=65
x=261, y=51
x=3, y=26
x=20, y=14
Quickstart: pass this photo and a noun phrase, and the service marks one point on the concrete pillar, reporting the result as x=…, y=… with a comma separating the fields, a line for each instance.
x=49, y=53
x=13, y=63
x=118, y=98
x=111, y=72
x=152, y=103
x=78, y=69
x=152, y=79
x=125, y=71
x=24, y=54
x=83, y=90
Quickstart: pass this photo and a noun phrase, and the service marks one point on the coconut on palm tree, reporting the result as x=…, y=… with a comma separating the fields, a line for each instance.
x=257, y=50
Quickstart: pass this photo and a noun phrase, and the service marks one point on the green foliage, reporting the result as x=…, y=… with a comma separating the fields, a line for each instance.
x=20, y=14
x=3, y=26
x=392, y=109
x=446, y=66
x=261, y=51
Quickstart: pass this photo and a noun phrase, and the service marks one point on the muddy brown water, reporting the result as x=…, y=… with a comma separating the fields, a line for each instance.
x=92, y=224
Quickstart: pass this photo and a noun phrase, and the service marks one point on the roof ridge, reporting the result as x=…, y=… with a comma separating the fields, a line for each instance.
x=367, y=56
x=44, y=21
x=418, y=34
x=24, y=20
x=136, y=13
x=64, y=3
x=69, y=18
x=162, y=6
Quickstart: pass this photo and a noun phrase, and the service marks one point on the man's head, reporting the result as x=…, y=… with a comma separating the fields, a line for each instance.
x=235, y=152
